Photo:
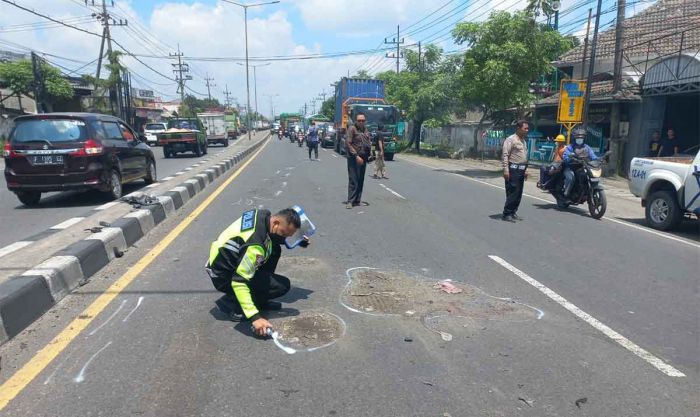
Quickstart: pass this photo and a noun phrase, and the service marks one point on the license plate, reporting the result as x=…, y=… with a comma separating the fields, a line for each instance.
x=47, y=160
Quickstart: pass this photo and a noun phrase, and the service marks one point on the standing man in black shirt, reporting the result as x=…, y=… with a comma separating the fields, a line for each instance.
x=359, y=145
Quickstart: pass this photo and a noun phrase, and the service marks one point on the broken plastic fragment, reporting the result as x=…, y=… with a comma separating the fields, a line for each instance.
x=447, y=286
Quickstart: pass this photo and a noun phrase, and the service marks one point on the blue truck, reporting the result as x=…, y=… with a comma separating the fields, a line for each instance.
x=353, y=96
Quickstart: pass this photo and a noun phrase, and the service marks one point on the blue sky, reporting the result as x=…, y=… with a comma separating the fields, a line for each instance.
x=213, y=28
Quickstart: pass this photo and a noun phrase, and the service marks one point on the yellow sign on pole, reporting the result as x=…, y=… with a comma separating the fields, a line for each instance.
x=571, y=100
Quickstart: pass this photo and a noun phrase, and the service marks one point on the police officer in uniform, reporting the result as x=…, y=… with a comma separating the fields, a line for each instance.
x=242, y=263
x=514, y=160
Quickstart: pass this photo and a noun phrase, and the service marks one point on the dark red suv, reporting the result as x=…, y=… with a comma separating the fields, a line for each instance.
x=69, y=151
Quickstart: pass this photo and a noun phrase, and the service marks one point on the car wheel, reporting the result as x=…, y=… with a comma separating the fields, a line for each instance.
x=151, y=176
x=388, y=156
x=29, y=198
x=198, y=150
x=662, y=210
x=115, y=185
x=206, y=148
x=166, y=152
x=226, y=143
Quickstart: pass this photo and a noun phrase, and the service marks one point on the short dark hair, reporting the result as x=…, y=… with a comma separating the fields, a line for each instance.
x=291, y=216
x=519, y=124
x=358, y=114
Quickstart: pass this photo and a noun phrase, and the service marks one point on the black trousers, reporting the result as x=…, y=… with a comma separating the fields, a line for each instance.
x=264, y=286
x=514, y=191
x=313, y=146
x=356, y=179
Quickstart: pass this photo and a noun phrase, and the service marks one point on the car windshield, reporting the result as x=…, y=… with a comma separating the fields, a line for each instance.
x=182, y=124
x=155, y=126
x=380, y=115
x=50, y=130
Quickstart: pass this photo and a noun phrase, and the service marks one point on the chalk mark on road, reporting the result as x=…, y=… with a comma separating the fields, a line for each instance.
x=109, y=319
x=612, y=334
x=81, y=376
x=138, y=303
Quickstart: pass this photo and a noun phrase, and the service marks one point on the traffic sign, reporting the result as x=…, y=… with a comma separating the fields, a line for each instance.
x=571, y=101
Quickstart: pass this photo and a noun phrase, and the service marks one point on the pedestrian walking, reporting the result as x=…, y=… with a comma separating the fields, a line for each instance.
x=514, y=161
x=359, y=146
x=379, y=167
x=312, y=140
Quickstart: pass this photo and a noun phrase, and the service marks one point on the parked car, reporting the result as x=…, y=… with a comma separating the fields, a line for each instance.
x=669, y=188
x=151, y=130
x=183, y=135
x=74, y=151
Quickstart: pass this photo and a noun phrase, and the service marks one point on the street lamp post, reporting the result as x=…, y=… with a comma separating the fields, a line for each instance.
x=255, y=85
x=247, y=72
x=272, y=105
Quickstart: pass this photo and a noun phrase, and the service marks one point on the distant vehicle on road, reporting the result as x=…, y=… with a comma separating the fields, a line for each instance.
x=327, y=135
x=150, y=130
x=74, y=151
x=183, y=135
x=669, y=188
x=215, y=126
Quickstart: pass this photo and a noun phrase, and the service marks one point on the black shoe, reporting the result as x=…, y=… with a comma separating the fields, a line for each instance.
x=516, y=217
x=231, y=309
x=272, y=306
x=508, y=218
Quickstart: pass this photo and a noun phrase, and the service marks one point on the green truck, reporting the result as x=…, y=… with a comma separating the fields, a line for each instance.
x=183, y=135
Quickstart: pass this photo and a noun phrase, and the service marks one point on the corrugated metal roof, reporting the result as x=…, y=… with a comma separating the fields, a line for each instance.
x=672, y=71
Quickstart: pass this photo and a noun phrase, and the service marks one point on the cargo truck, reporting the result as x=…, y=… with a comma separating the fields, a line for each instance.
x=215, y=125
x=353, y=96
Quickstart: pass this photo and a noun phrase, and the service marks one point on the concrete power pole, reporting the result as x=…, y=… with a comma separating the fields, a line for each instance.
x=209, y=85
x=227, y=94
x=181, y=69
x=616, y=141
x=398, y=42
x=106, y=21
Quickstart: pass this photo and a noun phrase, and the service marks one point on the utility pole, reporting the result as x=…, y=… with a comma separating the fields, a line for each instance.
x=616, y=141
x=38, y=84
x=106, y=21
x=398, y=42
x=181, y=69
x=209, y=85
x=585, y=43
x=227, y=94
x=591, y=66
x=420, y=66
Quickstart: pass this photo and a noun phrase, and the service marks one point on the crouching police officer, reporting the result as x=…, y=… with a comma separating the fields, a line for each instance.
x=242, y=264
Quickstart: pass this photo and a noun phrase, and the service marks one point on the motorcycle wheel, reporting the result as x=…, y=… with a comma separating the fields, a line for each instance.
x=597, y=204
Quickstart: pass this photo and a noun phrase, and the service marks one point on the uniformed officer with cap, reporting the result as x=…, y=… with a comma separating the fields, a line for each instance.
x=242, y=263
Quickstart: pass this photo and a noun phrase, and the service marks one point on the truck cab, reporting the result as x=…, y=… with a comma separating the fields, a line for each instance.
x=669, y=188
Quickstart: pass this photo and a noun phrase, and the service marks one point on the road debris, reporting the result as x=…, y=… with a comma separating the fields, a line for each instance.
x=580, y=401
x=428, y=383
x=408, y=339
x=526, y=401
x=447, y=286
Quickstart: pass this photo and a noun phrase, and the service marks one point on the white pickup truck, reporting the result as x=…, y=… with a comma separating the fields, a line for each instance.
x=669, y=188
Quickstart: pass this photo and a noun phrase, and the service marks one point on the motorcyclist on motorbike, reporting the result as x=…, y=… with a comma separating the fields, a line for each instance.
x=577, y=149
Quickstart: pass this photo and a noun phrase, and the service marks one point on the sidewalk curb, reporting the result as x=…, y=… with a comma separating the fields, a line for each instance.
x=26, y=297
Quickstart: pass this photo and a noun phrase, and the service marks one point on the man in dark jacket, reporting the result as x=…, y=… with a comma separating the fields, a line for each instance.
x=242, y=263
x=359, y=145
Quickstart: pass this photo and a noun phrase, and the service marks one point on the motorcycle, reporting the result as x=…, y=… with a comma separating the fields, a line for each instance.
x=586, y=188
x=280, y=134
x=300, y=139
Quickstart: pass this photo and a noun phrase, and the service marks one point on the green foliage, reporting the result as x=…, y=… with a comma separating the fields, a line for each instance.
x=115, y=69
x=193, y=105
x=362, y=74
x=328, y=108
x=18, y=77
x=505, y=53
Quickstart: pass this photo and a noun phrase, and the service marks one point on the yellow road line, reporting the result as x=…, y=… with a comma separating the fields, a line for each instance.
x=23, y=377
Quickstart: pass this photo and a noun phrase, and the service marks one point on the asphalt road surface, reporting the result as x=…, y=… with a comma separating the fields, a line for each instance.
x=18, y=222
x=560, y=314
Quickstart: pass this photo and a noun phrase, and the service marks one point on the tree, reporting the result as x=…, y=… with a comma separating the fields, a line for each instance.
x=328, y=108
x=362, y=74
x=18, y=77
x=424, y=89
x=505, y=54
x=193, y=105
x=111, y=84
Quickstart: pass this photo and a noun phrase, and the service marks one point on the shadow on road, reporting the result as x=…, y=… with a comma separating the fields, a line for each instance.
x=474, y=173
x=688, y=229
x=68, y=199
x=296, y=294
x=573, y=210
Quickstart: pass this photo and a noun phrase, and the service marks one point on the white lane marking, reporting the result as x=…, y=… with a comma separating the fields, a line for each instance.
x=109, y=319
x=334, y=155
x=81, y=376
x=179, y=172
x=155, y=184
x=621, y=222
x=277, y=194
x=107, y=205
x=68, y=223
x=287, y=174
x=166, y=179
x=138, y=303
x=612, y=334
x=188, y=169
x=392, y=191
x=278, y=172
x=14, y=247
x=284, y=184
